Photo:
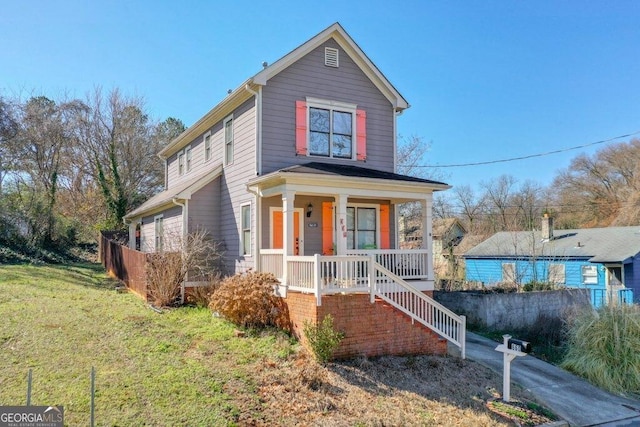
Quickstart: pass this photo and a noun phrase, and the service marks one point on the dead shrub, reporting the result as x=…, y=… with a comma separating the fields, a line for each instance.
x=248, y=300
x=164, y=276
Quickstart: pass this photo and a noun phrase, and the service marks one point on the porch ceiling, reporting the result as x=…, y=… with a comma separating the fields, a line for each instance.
x=331, y=179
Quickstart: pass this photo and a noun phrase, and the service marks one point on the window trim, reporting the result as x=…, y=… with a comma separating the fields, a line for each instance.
x=243, y=250
x=331, y=106
x=206, y=142
x=158, y=219
x=229, y=146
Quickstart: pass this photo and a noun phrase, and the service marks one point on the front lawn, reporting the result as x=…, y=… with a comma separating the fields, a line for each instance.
x=186, y=367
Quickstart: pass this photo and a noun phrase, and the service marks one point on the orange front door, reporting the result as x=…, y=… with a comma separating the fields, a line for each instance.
x=278, y=231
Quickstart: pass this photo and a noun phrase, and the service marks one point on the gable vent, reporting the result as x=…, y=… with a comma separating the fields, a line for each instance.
x=331, y=57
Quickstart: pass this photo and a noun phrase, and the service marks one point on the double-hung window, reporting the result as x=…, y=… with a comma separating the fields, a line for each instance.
x=245, y=243
x=330, y=129
x=207, y=146
x=159, y=233
x=187, y=156
x=330, y=133
x=181, y=163
x=509, y=272
x=228, y=140
x=557, y=273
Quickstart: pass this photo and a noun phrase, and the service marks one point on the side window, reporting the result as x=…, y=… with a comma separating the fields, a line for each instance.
x=330, y=129
x=207, y=146
x=245, y=239
x=228, y=140
x=159, y=233
x=181, y=163
x=188, y=158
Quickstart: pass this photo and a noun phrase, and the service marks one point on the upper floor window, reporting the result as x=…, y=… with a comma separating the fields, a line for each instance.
x=330, y=129
x=188, y=158
x=207, y=146
x=330, y=133
x=181, y=163
x=228, y=140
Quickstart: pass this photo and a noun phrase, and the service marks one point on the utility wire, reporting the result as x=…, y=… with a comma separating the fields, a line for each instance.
x=489, y=162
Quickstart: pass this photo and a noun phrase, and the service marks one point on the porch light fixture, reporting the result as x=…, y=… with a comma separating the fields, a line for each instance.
x=309, y=210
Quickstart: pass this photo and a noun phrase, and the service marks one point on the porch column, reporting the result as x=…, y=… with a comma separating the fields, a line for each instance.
x=427, y=238
x=341, y=220
x=287, y=229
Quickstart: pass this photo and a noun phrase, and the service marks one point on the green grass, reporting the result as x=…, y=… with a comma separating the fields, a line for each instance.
x=151, y=369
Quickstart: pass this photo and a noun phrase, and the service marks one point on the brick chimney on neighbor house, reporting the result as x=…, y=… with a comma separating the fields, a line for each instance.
x=547, y=227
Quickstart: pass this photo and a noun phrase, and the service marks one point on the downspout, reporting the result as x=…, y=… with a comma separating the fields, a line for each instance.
x=258, y=126
x=185, y=224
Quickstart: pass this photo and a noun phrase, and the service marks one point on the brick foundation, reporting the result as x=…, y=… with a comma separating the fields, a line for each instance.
x=370, y=329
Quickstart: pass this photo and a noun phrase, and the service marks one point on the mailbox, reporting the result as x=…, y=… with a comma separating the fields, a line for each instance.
x=519, y=345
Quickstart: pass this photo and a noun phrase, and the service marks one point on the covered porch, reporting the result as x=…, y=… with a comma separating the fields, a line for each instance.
x=313, y=219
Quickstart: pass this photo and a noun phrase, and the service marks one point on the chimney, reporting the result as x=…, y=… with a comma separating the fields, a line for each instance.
x=547, y=227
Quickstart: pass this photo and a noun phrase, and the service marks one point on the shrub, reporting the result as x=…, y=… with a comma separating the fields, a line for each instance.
x=322, y=338
x=248, y=300
x=193, y=256
x=604, y=347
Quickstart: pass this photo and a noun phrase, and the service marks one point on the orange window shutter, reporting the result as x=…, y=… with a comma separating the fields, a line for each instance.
x=301, y=128
x=385, y=235
x=361, y=135
x=327, y=228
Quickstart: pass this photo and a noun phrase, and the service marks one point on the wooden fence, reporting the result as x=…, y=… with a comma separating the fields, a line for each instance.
x=123, y=263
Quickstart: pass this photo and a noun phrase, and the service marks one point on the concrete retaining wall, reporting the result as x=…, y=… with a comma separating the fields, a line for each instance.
x=515, y=310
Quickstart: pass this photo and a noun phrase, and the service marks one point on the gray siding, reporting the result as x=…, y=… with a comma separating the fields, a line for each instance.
x=204, y=210
x=309, y=77
x=233, y=190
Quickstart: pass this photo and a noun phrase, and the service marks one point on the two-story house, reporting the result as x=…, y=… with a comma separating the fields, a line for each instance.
x=294, y=173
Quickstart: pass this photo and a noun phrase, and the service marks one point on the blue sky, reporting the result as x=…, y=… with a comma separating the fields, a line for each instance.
x=486, y=80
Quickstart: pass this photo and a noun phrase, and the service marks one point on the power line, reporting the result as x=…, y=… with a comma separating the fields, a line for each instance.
x=511, y=159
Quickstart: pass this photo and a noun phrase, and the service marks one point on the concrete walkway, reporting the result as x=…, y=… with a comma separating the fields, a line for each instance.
x=570, y=397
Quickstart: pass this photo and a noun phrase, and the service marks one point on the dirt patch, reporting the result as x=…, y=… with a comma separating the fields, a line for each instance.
x=422, y=390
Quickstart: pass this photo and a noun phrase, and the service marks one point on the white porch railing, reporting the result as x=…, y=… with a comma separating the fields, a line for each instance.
x=408, y=264
x=271, y=261
x=324, y=275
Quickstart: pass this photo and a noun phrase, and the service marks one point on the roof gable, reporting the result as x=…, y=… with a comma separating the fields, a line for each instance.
x=350, y=47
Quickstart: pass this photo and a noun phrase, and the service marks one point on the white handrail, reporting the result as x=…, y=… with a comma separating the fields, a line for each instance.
x=420, y=307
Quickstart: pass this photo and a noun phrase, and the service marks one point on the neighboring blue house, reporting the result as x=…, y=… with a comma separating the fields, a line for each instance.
x=604, y=260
